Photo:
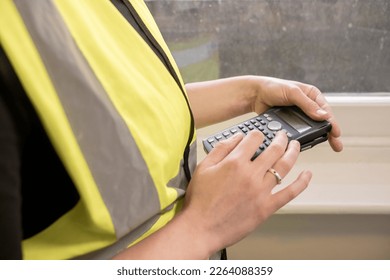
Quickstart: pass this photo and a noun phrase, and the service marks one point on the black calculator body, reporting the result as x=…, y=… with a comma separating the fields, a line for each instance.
x=296, y=124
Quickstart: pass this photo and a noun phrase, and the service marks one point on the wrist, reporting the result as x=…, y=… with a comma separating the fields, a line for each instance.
x=202, y=240
x=251, y=93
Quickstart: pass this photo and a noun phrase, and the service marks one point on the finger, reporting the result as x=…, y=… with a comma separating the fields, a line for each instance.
x=248, y=146
x=273, y=153
x=321, y=110
x=335, y=133
x=281, y=198
x=310, y=100
x=222, y=149
x=335, y=143
x=284, y=164
x=334, y=136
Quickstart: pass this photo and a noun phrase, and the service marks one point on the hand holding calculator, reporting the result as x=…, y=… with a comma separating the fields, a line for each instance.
x=296, y=124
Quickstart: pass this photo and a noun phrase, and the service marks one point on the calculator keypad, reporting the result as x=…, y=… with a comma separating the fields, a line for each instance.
x=264, y=123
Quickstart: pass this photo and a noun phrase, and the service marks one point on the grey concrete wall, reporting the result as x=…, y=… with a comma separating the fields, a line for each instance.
x=338, y=45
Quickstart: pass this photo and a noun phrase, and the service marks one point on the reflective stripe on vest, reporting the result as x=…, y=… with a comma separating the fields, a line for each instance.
x=115, y=115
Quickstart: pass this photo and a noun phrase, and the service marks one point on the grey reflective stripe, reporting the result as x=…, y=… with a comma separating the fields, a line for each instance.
x=179, y=183
x=113, y=157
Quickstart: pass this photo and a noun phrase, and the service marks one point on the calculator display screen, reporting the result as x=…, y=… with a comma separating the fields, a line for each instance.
x=296, y=122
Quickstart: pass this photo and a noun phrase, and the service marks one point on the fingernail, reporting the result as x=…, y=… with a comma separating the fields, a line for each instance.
x=321, y=112
x=280, y=132
x=295, y=142
x=234, y=137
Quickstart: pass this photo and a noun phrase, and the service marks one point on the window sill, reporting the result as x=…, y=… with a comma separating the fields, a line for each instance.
x=355, y=181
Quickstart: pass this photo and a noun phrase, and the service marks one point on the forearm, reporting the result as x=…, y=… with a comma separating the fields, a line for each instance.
x=219, y=100
x=216, y=212
x=179, y=239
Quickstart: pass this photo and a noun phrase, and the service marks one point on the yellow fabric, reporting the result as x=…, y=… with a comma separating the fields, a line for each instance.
x=16, y=41
x=155, y=115
x=111, y=54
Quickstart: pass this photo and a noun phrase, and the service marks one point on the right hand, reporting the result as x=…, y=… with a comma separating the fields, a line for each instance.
x=230, y=195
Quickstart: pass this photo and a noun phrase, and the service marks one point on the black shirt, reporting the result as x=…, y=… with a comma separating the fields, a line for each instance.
x=35, y=189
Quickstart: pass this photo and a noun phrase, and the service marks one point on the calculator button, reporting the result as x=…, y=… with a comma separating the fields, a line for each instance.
x=233, y=130
x=218, y=137
x=269, y=135
x=210, y=140
x=274, y=125
x=226, y=134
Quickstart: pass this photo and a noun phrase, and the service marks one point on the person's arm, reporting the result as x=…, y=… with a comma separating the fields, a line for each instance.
x=219, y=100
x=228, y=197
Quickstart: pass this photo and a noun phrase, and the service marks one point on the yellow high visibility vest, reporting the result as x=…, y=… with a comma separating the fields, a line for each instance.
x=117, y=116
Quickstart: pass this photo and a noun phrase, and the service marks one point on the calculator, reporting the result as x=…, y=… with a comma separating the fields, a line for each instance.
x=290, y=119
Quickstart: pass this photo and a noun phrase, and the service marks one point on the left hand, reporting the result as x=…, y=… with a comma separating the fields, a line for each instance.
x=277, y=92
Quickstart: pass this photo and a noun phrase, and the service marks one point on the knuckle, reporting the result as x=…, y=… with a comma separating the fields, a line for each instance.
x=316, y=92
x=284, y=166
x=256, y=135
x=223, y=145
x=295, y=91
x=232, y=163
x=291, y=193
x=278, y=148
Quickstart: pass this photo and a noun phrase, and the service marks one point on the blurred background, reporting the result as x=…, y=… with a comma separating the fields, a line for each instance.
x=338, y=45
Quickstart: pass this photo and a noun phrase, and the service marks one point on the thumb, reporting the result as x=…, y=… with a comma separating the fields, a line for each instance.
x=222, y=149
